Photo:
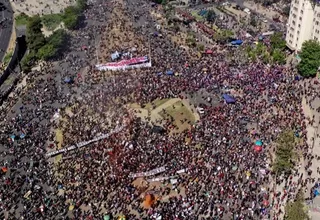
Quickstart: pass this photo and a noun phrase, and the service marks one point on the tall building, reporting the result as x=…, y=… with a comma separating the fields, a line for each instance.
x=303, y=23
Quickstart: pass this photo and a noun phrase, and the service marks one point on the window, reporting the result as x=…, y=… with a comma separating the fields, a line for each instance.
x=300, y=18
x=299, y=25
x=317, y=22
x=298, y=32
x=315, y=38
x=301, y=11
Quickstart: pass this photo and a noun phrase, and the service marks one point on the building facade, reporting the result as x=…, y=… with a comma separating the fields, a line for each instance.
x=303, y=24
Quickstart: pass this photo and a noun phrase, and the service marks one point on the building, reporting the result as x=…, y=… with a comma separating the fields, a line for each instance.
x=303, y=23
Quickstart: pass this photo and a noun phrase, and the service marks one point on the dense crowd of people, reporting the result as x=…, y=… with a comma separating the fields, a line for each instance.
x=219, y=174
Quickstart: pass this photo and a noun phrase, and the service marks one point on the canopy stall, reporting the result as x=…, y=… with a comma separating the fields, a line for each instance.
x=169, y=72
x=236, y=42
x=229, y=99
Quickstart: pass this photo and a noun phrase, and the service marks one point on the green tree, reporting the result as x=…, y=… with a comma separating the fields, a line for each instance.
x=211, y=16
x=286, y=10
x=58, y=39
x=296, y=210
x=82, y=4
x=278, y=56
x=277, y=41
x=71, y=17
x=47, y=52
x=253, y=21
x=223, y=35
x=201, y=47
x=35, y=38
x=55, y=45
x=266, y=57
x=310, y=59
x=260, y=48
x=28, y=61
x=285, y=152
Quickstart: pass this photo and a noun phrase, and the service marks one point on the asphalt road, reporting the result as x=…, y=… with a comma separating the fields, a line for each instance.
x=6, y=22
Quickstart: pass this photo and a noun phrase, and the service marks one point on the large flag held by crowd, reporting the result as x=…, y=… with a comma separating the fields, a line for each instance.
x=137, y=62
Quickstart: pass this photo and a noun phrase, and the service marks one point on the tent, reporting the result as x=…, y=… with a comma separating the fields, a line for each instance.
x=316, y=192
x=209, y=51
x=115, y=55
x=106, y=217
x=236, y=42
x=229, y=99
x=257, y=148
x=258, y=143
x=169, y=72
x=297, y=78
x=68, y=80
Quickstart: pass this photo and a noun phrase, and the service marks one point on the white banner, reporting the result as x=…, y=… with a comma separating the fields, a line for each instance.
x=122, y=67
x=160, y=179
x=148, y=173
x=85, y=143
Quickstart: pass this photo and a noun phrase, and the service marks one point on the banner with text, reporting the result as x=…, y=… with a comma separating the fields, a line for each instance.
x=85, y=143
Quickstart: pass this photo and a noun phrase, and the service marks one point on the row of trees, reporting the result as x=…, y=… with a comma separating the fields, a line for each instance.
x=72, y=14
x=46, y=48
x=286, y=156
x=273, y=53
x=40, y=47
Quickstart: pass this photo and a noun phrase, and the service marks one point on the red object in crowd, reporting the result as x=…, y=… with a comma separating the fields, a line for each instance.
x=209, y=52
x=257, y=148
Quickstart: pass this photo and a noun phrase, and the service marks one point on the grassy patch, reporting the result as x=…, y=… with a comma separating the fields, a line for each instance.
x=7, y=58
x=52, y=21
x=59, y=138
x=21, y=19
x=9, y=81
x=196, y=16
x=154, y=104
x=180, y=116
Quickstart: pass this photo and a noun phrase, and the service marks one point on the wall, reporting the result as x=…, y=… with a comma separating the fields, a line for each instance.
x=17, y=55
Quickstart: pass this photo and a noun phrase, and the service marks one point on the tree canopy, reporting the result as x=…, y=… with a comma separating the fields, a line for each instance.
x=277, y=41
x=278, y=56
x=285, y=152
x=35, y=38
x=71, y=17
x=310, y=59
x=211, y=16
x=296, y=210
x=41, y=47
x=55, y=44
